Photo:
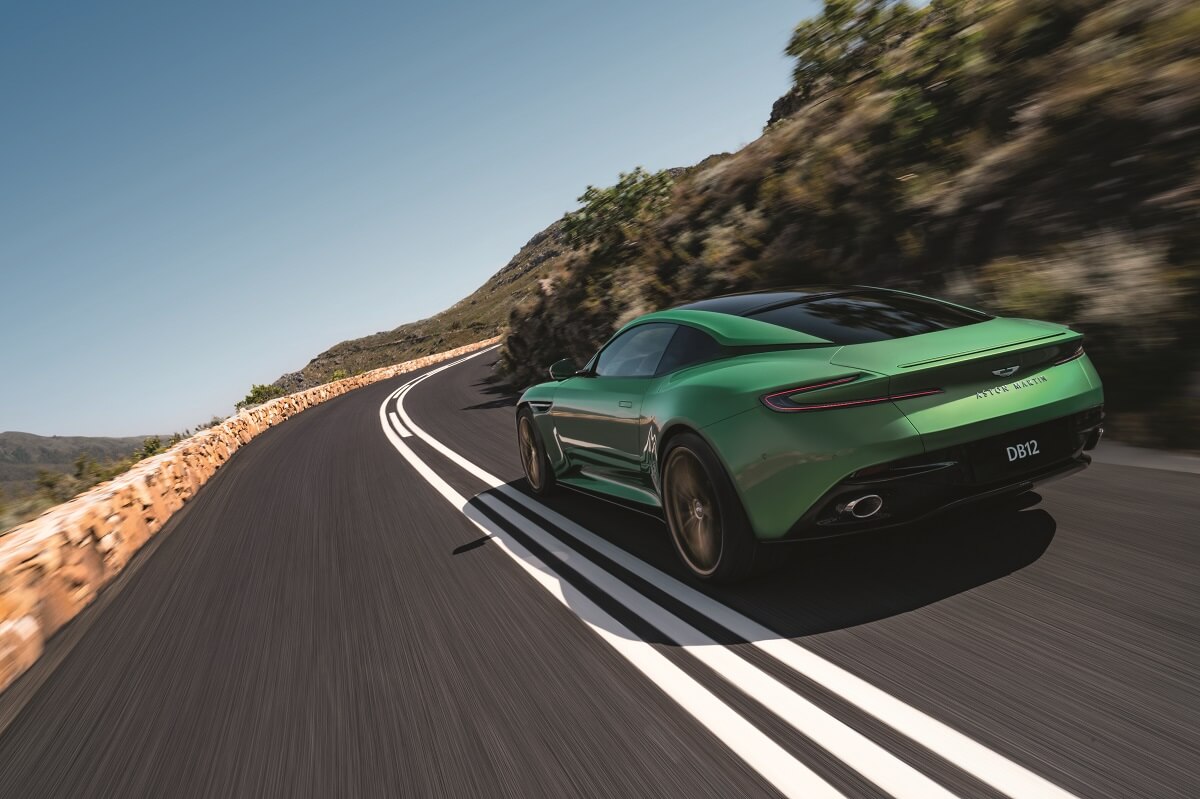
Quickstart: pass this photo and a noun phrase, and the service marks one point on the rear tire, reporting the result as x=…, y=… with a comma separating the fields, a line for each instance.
x=530, y=448
x=706, y=519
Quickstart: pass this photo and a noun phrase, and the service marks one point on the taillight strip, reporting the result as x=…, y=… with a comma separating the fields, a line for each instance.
x=769, y=399
x=1078, y=353
x=823, y=406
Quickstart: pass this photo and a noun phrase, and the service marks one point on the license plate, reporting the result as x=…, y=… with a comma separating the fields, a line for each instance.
x=1016, y=453
x=1022, y=450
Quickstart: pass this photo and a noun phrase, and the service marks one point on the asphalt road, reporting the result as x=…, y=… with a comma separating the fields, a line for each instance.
x=345, y=610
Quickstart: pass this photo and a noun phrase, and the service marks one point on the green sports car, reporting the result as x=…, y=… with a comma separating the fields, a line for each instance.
x=793, y=414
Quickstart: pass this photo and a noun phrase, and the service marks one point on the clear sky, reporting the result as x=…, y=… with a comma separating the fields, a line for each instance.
x=195, y=197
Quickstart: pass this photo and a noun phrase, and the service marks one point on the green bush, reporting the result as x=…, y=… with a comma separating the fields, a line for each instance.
x=151, y=446
x=260, y=393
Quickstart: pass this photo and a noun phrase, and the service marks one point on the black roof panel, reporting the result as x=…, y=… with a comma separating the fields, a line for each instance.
x=747, y=302
x=845, y=315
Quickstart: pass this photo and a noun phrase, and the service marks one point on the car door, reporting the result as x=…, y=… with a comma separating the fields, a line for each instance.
x=596, y=414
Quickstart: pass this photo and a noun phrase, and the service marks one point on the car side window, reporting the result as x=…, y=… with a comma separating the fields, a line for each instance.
x=688, y=347
x=636, y=352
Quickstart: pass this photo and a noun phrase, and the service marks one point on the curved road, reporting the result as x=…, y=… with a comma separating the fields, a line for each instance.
x=363, y=602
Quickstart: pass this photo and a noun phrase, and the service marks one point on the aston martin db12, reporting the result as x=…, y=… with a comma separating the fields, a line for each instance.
x=795, y=414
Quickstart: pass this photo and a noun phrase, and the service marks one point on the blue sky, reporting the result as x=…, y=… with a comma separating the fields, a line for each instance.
x=197, y=197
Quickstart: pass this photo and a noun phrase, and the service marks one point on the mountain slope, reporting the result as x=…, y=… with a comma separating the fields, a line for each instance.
x=1030, y=157
x=1033, y=158
x=481, y=315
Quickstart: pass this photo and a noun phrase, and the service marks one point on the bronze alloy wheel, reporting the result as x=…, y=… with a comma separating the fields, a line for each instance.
x=531, y=458
x=693, y=512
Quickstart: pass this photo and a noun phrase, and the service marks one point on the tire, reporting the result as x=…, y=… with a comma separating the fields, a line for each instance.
x=707, y=522
x=532, y=452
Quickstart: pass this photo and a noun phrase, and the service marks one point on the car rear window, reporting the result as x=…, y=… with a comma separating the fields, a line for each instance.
x=868, y=316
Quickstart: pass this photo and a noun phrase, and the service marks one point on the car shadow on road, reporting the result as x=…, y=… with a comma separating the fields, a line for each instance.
x=844, y=582
x=503, y=395
x=835, y=584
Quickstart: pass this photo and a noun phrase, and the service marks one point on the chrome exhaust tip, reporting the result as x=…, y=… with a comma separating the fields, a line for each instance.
x=864, y=507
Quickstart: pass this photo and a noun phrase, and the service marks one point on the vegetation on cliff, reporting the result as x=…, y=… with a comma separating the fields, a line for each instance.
x=1035, y=158
x=258, y=394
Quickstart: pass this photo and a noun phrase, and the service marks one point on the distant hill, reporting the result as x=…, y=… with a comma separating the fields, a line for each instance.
x=23, y=454
x=481, y=315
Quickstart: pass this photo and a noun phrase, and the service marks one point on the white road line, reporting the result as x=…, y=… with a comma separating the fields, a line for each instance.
x=976, y=759
x=856, y=750
x=401, y=430
x=791, y=777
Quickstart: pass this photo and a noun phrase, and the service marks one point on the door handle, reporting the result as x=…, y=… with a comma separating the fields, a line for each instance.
x=625, y=403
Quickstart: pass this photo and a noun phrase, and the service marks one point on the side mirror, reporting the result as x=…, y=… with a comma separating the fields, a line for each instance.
x=561, y=370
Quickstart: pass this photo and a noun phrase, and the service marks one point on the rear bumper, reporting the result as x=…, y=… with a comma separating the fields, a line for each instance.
x=914, y=489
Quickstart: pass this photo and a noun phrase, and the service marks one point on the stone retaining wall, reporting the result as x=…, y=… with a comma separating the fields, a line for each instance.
x=53, y=566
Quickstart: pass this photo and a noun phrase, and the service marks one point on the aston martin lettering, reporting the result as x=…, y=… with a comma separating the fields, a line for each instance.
x=1017, y=386
x=1029, y=381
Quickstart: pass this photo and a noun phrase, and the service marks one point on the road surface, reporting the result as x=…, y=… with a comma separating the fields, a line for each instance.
x=364, y=602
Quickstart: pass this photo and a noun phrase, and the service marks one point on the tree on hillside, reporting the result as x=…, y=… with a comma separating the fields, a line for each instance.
x=845, y=42
x=608, y=215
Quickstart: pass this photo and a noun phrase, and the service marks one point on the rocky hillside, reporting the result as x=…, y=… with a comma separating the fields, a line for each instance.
x=1035, y=158
x=481, y=315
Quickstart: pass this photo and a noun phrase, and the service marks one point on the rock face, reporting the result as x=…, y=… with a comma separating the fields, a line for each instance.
x=53, y=566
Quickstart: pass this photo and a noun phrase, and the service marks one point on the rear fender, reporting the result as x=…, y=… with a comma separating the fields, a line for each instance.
x=782, y=463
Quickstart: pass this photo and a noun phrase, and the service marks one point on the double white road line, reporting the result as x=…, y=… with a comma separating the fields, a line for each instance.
x=778, y=766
